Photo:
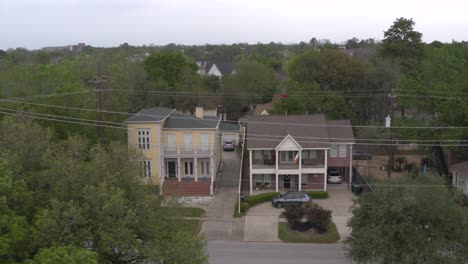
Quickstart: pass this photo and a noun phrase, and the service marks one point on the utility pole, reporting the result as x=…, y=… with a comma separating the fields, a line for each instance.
x=391, y=158
x=98, y=81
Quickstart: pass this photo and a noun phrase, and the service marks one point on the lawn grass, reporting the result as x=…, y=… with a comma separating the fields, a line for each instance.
x=190, y=225
x=286, y=234
x=184, y=211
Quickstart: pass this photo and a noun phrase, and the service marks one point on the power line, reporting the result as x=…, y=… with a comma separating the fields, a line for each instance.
x=247, y=122
x=264, y=137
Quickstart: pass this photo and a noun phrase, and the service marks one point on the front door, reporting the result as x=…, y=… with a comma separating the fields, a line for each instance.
x=171, y=169
x=287, y=181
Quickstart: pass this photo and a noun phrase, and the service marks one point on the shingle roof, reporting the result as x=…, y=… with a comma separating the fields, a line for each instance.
x=340, y=131
x=224, y=126
x=155, y=114
x=269, y=130
x=462, y=167
x=224, y=67
x=180, y=121
x=259, y=108
x=310, y=131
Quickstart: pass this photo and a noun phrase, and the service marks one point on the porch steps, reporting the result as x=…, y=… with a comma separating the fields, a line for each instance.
x=183, y=188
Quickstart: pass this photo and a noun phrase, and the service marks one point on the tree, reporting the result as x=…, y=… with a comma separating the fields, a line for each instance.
x=167, y=66
x=403, y=43
x=65, y=254
x=408, y=224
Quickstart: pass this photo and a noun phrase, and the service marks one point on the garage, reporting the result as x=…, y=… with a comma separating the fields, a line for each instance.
x=229, y=131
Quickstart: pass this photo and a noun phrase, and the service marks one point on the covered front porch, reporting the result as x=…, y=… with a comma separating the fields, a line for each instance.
x=188, y=172
x=288, y=182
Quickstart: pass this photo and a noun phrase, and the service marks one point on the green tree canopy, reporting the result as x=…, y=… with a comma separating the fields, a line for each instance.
x=407, y=222
x=168, y=66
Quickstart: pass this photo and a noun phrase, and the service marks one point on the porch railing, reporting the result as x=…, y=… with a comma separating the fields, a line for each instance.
x=178, y=150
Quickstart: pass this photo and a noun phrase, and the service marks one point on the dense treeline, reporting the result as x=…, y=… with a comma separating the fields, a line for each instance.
x=75, y=202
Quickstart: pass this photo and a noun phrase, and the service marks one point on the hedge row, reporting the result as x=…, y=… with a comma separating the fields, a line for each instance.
x=261, y=198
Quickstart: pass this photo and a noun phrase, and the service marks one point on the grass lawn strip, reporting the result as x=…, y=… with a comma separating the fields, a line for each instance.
x=184, y=211
x=286, y=234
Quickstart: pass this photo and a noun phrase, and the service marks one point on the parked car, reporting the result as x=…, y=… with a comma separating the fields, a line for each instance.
x=290, y=198
x=334, y=176
x=228, y=145
x=358, y=155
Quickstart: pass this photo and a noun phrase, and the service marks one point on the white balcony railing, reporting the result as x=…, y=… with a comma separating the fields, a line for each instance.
x=188, y=150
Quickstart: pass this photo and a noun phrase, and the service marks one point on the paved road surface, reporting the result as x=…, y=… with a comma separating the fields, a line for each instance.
x=224, y=252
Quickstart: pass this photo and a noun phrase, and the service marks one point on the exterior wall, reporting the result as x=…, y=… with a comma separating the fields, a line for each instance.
x=315, y=182
x=180, y=136
x=340, y=161
x=153, y=153
x=460, y=182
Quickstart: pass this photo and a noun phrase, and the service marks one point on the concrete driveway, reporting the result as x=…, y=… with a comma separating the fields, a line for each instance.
x=261, y=223
x=339, y=202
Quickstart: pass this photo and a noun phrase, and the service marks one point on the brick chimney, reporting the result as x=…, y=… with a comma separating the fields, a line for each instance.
x=199, y=112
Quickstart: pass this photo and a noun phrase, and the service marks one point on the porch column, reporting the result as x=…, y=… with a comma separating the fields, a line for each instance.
x=212, y=174
x=350, y=165
x=276, y=171
x=162, y=175
x=178, y=170
x=300, y=170
x=250, y=173
x=326, y=170
x=195, y=168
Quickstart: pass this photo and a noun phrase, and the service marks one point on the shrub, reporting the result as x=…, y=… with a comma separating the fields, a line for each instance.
x=244, y=207
x=318, y=195
x=294, y=214
x=319, y=218
x=261, y=198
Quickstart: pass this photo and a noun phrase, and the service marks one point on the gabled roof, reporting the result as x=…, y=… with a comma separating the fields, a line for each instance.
x=155, y=114
x=461, y=167
x=309, y=131
x=181, y=121
x=268, y=131
x=340, y=131
x=225, y=126
x=259, y=108
x=224, y=67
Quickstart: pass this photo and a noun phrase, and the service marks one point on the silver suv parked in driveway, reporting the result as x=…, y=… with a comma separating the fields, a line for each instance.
x=290, y=198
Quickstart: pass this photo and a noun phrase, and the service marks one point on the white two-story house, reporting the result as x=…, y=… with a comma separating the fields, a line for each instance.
x=294, y=152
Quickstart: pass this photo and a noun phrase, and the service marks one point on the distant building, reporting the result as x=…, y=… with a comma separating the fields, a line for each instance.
x=218, y=68
x=74, y=48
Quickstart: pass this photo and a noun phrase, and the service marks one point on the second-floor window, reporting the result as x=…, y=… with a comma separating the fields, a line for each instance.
x=287, y=156
x=171, y=142
x=188, y=141
x=333, y=151
x=143, y=138
x=342, y=151
x=204, y=141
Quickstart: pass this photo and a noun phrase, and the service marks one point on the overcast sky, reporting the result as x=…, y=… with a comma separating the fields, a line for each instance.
x=37, y=23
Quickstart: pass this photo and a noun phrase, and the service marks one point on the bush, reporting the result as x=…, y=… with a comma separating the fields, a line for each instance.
x=261, y=198
x=318, y=195
x=294, y=214
x=318, y=218
x=244, y=207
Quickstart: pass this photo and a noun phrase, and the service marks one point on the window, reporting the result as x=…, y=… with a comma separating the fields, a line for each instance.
x=334, y=151
x=287, y=156
x=304, y=180
x=204, y=141
x=342, y=151
x=205, y=168
x=143, y=138
x=145, y=168
x=263, y=180
x=188, y=168
x=171, y=142
x=188, y=142
x=309, y=154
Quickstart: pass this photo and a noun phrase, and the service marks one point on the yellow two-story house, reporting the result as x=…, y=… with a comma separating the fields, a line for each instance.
x=180, y=152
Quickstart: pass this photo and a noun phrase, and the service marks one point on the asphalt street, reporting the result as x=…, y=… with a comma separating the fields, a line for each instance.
x=226, y=252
